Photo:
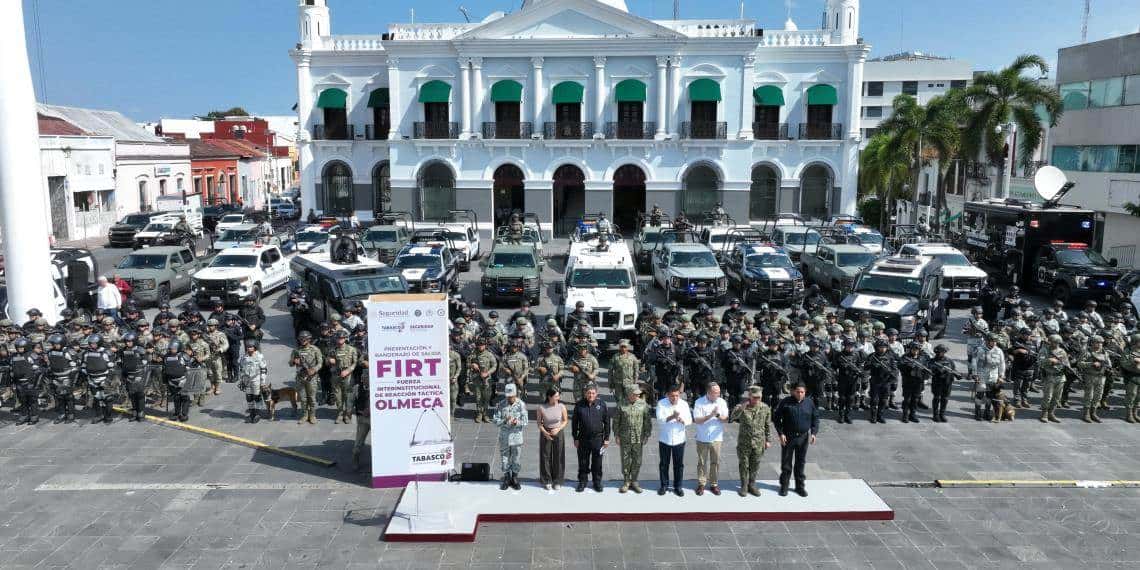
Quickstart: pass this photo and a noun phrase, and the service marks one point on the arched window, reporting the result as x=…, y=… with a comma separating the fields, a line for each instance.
x=762, y=195
x=701, y=191
x=815, y=191
x=336, y=184
x=382, y=188
x=437, y=191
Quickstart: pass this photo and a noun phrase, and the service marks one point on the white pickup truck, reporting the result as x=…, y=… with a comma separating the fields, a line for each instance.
x=240, y=273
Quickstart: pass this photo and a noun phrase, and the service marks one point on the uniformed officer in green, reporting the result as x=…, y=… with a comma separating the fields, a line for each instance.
x=307, y=360
x=454, y=369
x=1095, y=365
x=515, y=367
x=623, y=371
x=1130, y=366
x=200, y=351
x=1052, y=367
x=754, y=417
x=585, y=370
x=549, y=368
x=219, y=347
x=342, y=362
x=482, y=365
x=633, y=426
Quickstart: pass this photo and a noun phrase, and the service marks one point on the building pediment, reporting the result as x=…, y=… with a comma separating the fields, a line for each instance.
x=576, y=19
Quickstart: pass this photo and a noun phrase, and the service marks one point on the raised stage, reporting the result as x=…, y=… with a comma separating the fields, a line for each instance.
x=451, y=512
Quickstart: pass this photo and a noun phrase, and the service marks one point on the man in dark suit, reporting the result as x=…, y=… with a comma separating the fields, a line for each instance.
x=797, y=421
x=591, y=431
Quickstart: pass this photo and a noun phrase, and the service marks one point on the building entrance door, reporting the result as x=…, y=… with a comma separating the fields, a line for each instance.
x=629, y=198
x=509, y=193
x=569, y=199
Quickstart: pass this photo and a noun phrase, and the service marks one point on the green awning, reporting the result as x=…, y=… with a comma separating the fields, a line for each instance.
x=435, y=92
x=378, y=97
x=506, y=91
x=332, y=99
x=822, y=95
x=567, y=92
x=704, y=90
x=630, y=90
x=950, y=218
x=768, y=95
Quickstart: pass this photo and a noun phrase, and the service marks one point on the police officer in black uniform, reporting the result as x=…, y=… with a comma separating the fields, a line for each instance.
x=98, y=363
x=64, y=366
x=914, y=374
x=25, y=371
x=132, y=365
x=253, y=318
x=773, y=372
x=234, y=336
x=848, y=367
x=174, y=367
x=883, y=368
x=941, y=381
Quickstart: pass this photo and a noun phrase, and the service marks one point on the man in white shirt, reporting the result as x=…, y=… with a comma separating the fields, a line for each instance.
x=673, y=415
x=108, y=299
x=709, y=413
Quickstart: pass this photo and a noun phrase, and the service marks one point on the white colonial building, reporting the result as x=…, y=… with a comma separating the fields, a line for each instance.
x=572, y=106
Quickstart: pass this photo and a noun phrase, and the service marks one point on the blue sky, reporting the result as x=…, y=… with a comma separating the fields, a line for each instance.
x=175, y=58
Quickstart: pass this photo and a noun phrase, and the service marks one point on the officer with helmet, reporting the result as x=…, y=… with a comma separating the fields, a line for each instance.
x=175, y=365
x=63, y=365
x=132, y=364
x=98, y=363
x=253, y=378
x=25, y=370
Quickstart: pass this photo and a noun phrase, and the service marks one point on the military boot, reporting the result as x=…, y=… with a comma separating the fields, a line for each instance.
x=107, y=413
x=1087, y=417
x=1023, y=403
x=312, y=418
x=905, y=416
x=633, y=486
x=977, y=413
x=515, y=482
x=913, y=415
x=624, y=487
x=1053, y=416
x=753, y=490
x=1044, y=416
x=98, y=411
x=743, y=492
x=1093, y=415
x=891, y=403
x=1131, y=417
x=301, y=418
x=506, y=483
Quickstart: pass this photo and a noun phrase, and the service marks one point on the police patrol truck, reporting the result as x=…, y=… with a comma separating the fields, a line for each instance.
x=903, y=292
x=606, y=283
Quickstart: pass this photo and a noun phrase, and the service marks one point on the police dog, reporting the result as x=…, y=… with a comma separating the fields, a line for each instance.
x=276, y=395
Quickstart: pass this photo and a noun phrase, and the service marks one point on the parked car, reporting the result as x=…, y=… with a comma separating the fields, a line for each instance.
x=123, y=233
x=835, y=267
x=160, y=273
x=763, y=272
x=512, y=272
x=240, y=273
x=689, y=272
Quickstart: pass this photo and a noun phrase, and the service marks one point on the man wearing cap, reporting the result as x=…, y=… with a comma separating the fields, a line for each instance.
x=307, y=359
x=623, y=370
x=942, y=378
x=709, y=414
x=454, y=371
x=1053, y=366
x=481, y=364
x=219, y=349
x=342, y=363
x=585, y=370
x=633, y=425
x=515, y=367
x=511, y=417
x=914, y=373
x=1130, y=367
x=882, y=368
x=591, y=431
x=1094, y=365
x=549, y=368
x=200, y=354
x=754, y=417
x=989, y=370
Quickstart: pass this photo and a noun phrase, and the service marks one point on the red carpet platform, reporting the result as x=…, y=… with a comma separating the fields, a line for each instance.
x=451, y=512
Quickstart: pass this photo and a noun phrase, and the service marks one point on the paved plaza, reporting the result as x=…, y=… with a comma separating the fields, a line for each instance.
x=148, y=496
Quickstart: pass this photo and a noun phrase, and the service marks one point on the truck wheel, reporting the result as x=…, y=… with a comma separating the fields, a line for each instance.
x=1062, y=293
x=163, y=294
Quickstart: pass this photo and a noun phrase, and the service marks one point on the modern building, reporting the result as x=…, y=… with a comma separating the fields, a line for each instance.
x=1097, y=140
x=78, y=191
x=914, y=73
x=146, y=165
x=571, y=106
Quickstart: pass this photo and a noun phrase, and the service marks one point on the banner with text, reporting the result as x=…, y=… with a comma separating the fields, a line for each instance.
x=408, y=369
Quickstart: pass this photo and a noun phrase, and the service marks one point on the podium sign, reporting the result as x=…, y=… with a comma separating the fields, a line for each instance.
x=408, y=387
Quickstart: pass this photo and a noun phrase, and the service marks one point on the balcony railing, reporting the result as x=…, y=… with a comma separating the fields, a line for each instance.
x=342, y=133
x=374, y=134
x=821, y=131
x=507, y=130
x=770, y=131
x=435, y=130
x=704, y=130
x=565, y=130
x=631, y=130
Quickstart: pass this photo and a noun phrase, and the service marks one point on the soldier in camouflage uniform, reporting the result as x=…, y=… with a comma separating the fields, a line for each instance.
x=1052, y=366
x=1095, y=365
x=454, y=370
x=511, y=417
x=1130, y=367
x=174, y=326
x=754, y=417
x=481, y=364
x=549, y=367
x=219, y=349
x=623, y=371
x=633, y=427
x=201, y=353
x=515, y=367
x=342, y=363
x=307, y=360
x=585, y=370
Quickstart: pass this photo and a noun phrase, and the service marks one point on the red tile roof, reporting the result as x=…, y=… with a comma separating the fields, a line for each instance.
x=58, y=127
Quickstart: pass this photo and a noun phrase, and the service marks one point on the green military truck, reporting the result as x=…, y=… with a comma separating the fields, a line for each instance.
x=512, y=272
x=835, y=267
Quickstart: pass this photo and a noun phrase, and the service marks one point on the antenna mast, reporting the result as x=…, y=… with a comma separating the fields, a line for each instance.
x=1085, y=22
x=676, y=9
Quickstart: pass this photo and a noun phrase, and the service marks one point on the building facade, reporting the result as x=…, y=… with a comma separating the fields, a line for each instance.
x=1097, y=140
x=920, y=75
x=78, y=180
x=572, y=106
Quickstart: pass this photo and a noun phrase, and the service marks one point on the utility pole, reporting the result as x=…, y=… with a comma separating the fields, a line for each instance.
x=24, y=222
x=1085, y=22
x=676, y=9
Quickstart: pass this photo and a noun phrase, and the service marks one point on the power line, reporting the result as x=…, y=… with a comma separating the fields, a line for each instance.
x=38, y=33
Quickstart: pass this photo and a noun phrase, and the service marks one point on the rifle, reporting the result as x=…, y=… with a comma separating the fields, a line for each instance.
x=770, y=364
x=815, y=363
x=914, y=361
x=945, y=369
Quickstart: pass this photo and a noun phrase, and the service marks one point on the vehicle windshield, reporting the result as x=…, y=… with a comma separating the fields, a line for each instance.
x=380, y=236
x=872, y=238
x=889, y=284
x=811, y=237
x=236, y=235
x=607, y=278
x=158, y=227
x=1080, y=257
x=718, y=238
x=232, y=219
x=365, y=286
x=955, y=259
x=659, y=237
x=854, y=259
x=501, y=260
x=143, y=261
x=312, y=237
x=135, y=220
x=234, y=261
x=693, y=259
x=758, y=260
x=456, y=237
x=417, y=261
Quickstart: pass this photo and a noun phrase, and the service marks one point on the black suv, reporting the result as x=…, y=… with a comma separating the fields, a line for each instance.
x=123, y=233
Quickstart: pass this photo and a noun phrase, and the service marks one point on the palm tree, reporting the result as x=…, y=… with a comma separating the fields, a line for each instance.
x=882, y=170
x=1008, y=96
x=921, y=133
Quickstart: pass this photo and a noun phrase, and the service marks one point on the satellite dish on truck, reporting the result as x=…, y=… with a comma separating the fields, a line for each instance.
x=1051, y=184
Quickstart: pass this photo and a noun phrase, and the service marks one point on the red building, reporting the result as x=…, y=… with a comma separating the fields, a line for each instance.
x=253, y=130
x=218, y=165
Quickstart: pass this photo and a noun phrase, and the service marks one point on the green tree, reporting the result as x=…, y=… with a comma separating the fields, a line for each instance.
x=1009, y=96
x=882, y=171
x=231, y=112
x=922, y=133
